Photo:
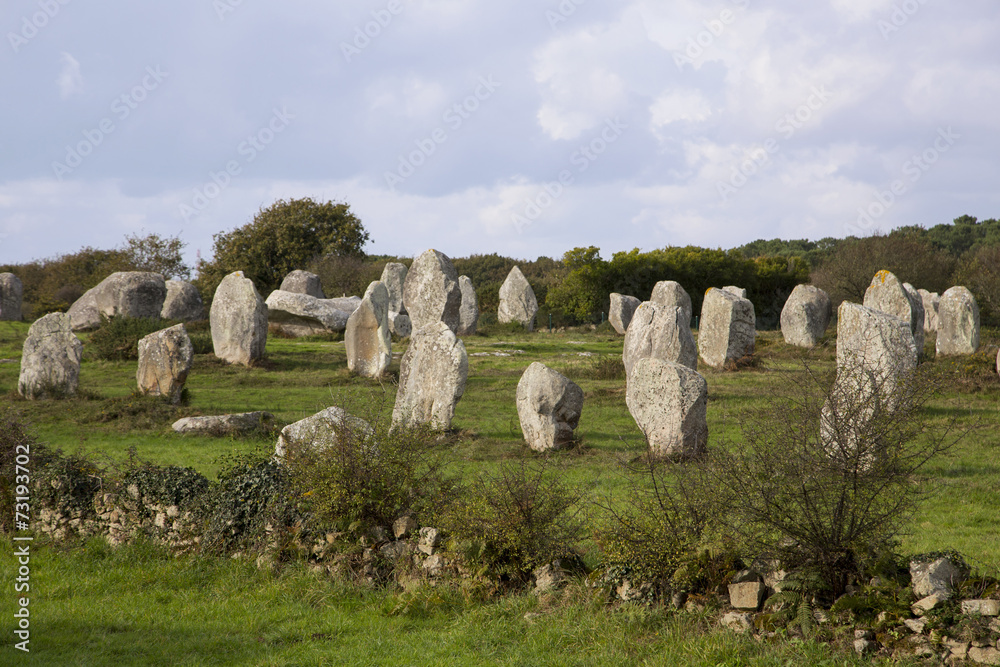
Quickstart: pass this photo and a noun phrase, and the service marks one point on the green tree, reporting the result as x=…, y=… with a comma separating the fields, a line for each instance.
x=283, y=237
x=155, y=254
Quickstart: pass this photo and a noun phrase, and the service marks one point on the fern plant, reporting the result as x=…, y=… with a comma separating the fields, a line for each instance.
x=793, y=606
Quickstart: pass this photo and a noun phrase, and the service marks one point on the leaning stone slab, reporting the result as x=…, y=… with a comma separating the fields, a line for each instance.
x=805, y=316
x=432, y=378
x=11, y=293
x=517, y=300
x=931, y=300
x=303, y=315
x=670, y=293
x=888, y=295
x=131, y=294
x=367, y=337
x=322, y=431
x=50, y=359
x=468, y=319
x=727, y=330
x=621, y=311
x=668, y=402
x=394, y=278
x=431, y=292
x=303, y=282
x=220, y=425
x=958, y=323
x=182, y=303
x=238, y=318
x=548, y=406
x=662, y=332
x=83, y=314
x=165, y=359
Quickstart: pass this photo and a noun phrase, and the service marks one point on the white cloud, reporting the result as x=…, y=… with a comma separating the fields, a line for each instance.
x=671, y=107
x=70, y=80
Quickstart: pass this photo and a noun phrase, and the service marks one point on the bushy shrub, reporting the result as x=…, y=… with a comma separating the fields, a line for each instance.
x=117, y=339
x=252, y=492
x=170, y=485
x=14, y=442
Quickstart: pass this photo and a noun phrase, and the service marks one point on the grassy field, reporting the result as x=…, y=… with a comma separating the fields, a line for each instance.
x=138, y=605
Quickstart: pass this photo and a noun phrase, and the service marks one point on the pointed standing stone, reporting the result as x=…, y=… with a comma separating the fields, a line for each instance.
x=888, y=295
x=670, y=293
x=367, y=336
x=727, y=330
x=431, y=293
x=548, y=406
x=50, y=359
x=621, y=311
x=432, y=377
x=469, y=313
x=11, y=293
x=958, y=322
x=394, y=278
x=165, y=359
x=517, y=300
x=238, y=318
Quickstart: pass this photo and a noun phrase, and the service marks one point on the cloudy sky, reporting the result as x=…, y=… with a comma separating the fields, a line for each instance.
x=520, y=127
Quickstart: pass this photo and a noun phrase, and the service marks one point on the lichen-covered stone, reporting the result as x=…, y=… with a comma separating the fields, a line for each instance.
x=431, y=292
x=303, y=282
x=662, y=332
x=11, y=293
x=931, y=300
x=238, y=319
x=323, y=430
x=165, y=359
x=517, y=300
x=805, y=316
x=670, y=293
x=727, y=330
x=621, y=311
x=182, y=302
x=394, y=278
x=50, y=359
x=668, y=402
x=432, y=378
x=304, y=315
x=468, y=319
x=131, y=294
x=958, y=323
x=548, y=406
x=368, y=338
x=888, y=295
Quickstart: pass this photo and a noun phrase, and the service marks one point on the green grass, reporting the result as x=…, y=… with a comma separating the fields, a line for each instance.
x=137, y=606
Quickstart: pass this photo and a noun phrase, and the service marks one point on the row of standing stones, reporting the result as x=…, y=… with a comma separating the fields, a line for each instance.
x=432, y=305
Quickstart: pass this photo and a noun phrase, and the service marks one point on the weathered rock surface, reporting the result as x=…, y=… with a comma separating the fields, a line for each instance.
x=958, y=323
x=670, y=293
x=805, y=316
x=394, y=278
x=661, y=332
x=11, y=293
x=304, y=315
x=621, y=311
x=131, y=294
x=400, y=325
x=468, y=318
x=322, y=431
x=182, y=302
x=668, y=402
x=50, y=359
x=888, y=295
x=917, y=303
x=517, y=300
x=930, y=301
x=431, y=292
x=737, y=291
x=238, y=319
x=165, y=359
x=432, y=377
x=747, y=595
x=548, y=406
x=83, y=314
x=303, y=282
x=727, y=330
x=367, y=337
x=220, y=425
x=737, y=621
x=938, y=577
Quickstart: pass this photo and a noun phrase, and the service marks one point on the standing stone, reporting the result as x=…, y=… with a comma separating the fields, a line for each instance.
x=727, y=330
x=931, y=300
x=548, y=406
x=661, y=332
x=517, y=300
x=399, y=324
x=394, y=278
x=303, y=282
x=367, y=336
x=50, y=359
x=164, y=362
x=670, y=293
x=324, y=430
x=131, y=294
x=468, y=318
x=806, y=316
x=958, y=322
x=431, y=292
x=888, y=295
x=239, y=321
x=621, y=311
x=432, y=377
x=917, y=303
x=182, y=303
x=738, y=291
x=668, y=401
x=83, y=314
x=11, y=293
